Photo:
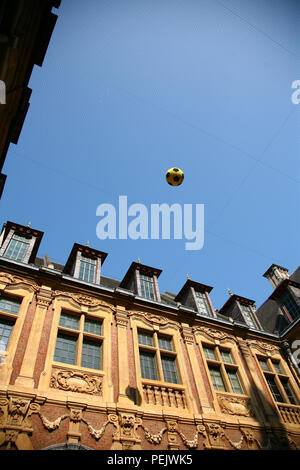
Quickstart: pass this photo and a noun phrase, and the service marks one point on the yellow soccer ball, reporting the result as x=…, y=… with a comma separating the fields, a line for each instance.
x=174, y=176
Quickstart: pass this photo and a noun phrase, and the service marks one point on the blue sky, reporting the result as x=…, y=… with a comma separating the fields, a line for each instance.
x=130, y=88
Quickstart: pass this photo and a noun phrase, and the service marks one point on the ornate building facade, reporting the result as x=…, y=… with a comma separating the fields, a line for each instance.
x=89, y=362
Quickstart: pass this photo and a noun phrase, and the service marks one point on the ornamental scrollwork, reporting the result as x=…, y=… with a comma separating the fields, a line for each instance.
x=151, y=318
x=213, y=333
x=263, y=346
x=10, y=279
x=74, y=381
x=85, y=300
x=235, y=406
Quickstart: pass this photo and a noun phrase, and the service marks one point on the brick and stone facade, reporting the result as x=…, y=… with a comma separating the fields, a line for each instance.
x=46, y=404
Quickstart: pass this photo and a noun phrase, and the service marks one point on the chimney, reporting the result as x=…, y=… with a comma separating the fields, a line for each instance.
x=275, y=274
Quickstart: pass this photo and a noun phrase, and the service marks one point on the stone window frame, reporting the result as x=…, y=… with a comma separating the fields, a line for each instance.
x=223, y=367
x=158, y=352
x=285, y=374
x=98, y=312
x=137, y=323
x=24, y=293
x=213, y=337
x=80, y=334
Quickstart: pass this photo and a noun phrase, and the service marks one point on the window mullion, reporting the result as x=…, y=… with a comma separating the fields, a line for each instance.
x=80, y=340
x=226, y=379
x=157, y=357
x=281, y=389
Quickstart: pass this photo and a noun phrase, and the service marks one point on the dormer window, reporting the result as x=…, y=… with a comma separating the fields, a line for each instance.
x=85, y=263
x=147, y=287
x=19, y=243
x=202, y=303
x=242, y=310
x=247, y=314
x=17, y=248
x=142, y=280
x=87, y=269
x=195, y=295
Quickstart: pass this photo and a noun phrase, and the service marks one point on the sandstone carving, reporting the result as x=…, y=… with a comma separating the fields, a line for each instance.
x=74, y=381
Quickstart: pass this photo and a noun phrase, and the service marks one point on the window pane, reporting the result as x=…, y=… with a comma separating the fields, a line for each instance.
x=9, y=306
x=217, y=379
x=93, y=326
x=263, y=364
x=87, y=269
x=65, y=350
x=247, y=314
x=6, y=327
x=277, y=367
x=226, y=356
x=148, y=366
x=209, y=353
x=147, y=287
x=234, y=381
x=91, y=355
x=17, y=248
x=273, y=387
x=145, y=338
x=69, y=321
x=288, y=391
x=202, y=303
x=169, y=369
x=165, y=343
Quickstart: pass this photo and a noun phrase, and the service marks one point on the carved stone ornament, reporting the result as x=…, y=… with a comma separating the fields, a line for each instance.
x=214, y=334
x=52, y=425
x=75, y=415
x=9, y=279
x=235, y=406
x=215, y=434
x=96, y=433
x=126, y=425
x=85, y=300
x=74, y=381
x=154, y=438
x=151, y=318
x=190, y=444
x=172, y=429
x=15, y=413
x=263, y=347
x=187, y=334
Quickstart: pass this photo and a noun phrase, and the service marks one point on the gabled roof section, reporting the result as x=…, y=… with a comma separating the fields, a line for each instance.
x=142, y=268
x=232, y=299
x=86, y=251
x=25, y=231
x=197, y=286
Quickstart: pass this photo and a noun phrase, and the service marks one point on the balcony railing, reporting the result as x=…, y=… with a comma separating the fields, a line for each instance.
x=171, y=396
x=290, y=413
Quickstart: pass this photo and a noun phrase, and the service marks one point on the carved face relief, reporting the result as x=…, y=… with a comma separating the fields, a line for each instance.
x=127, y=424
x=17, y=409
x=76, y=416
